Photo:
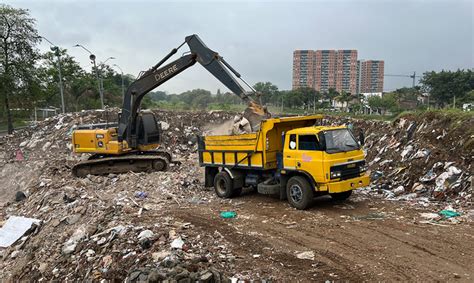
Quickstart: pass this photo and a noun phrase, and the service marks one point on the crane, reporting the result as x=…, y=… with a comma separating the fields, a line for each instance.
x=414, y=76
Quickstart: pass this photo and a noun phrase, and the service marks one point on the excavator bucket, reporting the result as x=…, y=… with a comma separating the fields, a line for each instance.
x=255, y=113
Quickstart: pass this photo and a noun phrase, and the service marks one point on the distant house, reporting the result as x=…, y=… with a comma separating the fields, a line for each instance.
x=408, y=104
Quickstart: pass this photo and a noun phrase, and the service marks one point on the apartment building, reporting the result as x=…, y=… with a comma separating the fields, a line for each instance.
x=325, y=69
x=370, y=76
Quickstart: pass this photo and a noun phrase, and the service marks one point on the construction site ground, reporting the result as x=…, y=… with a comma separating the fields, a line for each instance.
x=362, y=239
x=381, y=233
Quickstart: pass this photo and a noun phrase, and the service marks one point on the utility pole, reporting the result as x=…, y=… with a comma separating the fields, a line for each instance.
x=92, y=57
x=414, y=78
x=61, y=88
x=101, y=65
x=314, y=103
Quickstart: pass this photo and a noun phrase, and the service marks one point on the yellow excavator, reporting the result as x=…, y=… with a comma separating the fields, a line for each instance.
x=132, y=144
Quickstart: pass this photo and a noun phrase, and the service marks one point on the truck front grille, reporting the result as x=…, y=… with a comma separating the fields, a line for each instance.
x=348, y=171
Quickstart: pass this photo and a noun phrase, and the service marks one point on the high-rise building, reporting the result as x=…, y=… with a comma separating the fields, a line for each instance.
x=325, y=69
x=370, y=76
x=303, y=68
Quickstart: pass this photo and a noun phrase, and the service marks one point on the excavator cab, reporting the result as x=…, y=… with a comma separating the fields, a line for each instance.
x=149, y=131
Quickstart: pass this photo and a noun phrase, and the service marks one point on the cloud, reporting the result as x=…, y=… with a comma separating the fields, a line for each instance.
x=258, y=38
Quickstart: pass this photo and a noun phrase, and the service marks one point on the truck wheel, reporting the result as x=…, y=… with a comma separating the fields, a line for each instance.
x=223, y=185
x=267, y=189
x=299, y=192
x=341, y=196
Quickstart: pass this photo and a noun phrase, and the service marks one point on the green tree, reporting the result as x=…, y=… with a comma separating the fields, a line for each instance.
x=384, y=103
x=158, y=96
x=309, y=97
x=468, y=98
x=196, y=98
x=444, y=86
x=293, y=98
x=268, y=92
x=18, y=37
x=71, y=73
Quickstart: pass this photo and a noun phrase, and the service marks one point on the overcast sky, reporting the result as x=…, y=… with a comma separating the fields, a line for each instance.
x=258, y=37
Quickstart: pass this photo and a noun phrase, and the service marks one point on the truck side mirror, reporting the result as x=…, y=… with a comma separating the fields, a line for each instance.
x=361, y=138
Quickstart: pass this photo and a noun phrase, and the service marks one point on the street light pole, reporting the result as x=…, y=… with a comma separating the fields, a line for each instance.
x=101, y=65
x=92, y=58
x=60, y=81
x=123, y=88
x=58, y=55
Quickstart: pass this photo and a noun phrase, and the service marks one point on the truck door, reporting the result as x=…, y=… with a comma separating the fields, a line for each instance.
x=309, y=156
x=289, y=152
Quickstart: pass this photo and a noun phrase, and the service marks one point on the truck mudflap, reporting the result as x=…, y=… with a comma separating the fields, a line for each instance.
x=346, y=185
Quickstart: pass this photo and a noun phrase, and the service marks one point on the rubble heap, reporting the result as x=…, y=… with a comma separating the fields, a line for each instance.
x=121, y=227
x=423, y=158
x=114, y=227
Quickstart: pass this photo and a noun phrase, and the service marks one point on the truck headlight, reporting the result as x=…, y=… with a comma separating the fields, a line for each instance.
x=363, y=168
x=335, y=174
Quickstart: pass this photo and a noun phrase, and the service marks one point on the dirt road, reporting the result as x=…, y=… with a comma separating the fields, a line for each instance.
x=357, y=240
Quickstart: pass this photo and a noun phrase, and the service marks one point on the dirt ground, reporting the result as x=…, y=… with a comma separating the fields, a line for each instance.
x=358, y=240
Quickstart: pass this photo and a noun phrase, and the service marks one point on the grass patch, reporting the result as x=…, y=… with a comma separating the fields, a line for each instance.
x=16, y=124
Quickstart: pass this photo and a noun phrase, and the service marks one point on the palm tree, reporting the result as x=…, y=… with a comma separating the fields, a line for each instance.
x=331, y=94
x=344, y=98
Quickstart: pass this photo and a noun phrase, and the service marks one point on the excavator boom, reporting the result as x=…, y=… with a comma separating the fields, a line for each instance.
x=199, y=52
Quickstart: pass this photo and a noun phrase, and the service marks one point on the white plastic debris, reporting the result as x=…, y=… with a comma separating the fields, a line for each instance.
x=46, y=146
x=406, y=151
x=408, y=197
x=164, y=126
x=429, y=176
x=60, y=123
x=429, y=215
x=399, y=190
x=454, y=171
x=306, y=255
x=421, y=154
x=14, y=229
x=385, y=162
x=145, y=234
x=177, y=243
x=443, y=177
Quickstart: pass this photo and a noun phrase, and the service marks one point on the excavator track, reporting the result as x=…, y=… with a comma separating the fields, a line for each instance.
x=142, y=161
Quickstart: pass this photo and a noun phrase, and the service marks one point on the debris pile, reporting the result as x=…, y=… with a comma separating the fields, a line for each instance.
x=425, y=159
x=124, y=227
x=115, y=227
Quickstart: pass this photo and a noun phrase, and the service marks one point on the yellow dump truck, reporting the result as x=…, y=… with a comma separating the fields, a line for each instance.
x=296, y=158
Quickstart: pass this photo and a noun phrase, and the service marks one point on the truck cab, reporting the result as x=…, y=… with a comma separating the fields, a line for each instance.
x=328, y=158
x=296, y=158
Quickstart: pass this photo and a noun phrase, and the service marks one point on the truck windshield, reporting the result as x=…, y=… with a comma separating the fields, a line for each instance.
x=340, y=140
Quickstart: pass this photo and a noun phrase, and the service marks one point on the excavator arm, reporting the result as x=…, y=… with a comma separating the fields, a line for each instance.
x=149, y=80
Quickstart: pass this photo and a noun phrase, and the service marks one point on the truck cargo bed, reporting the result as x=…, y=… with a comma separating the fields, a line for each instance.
x=255, y=150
